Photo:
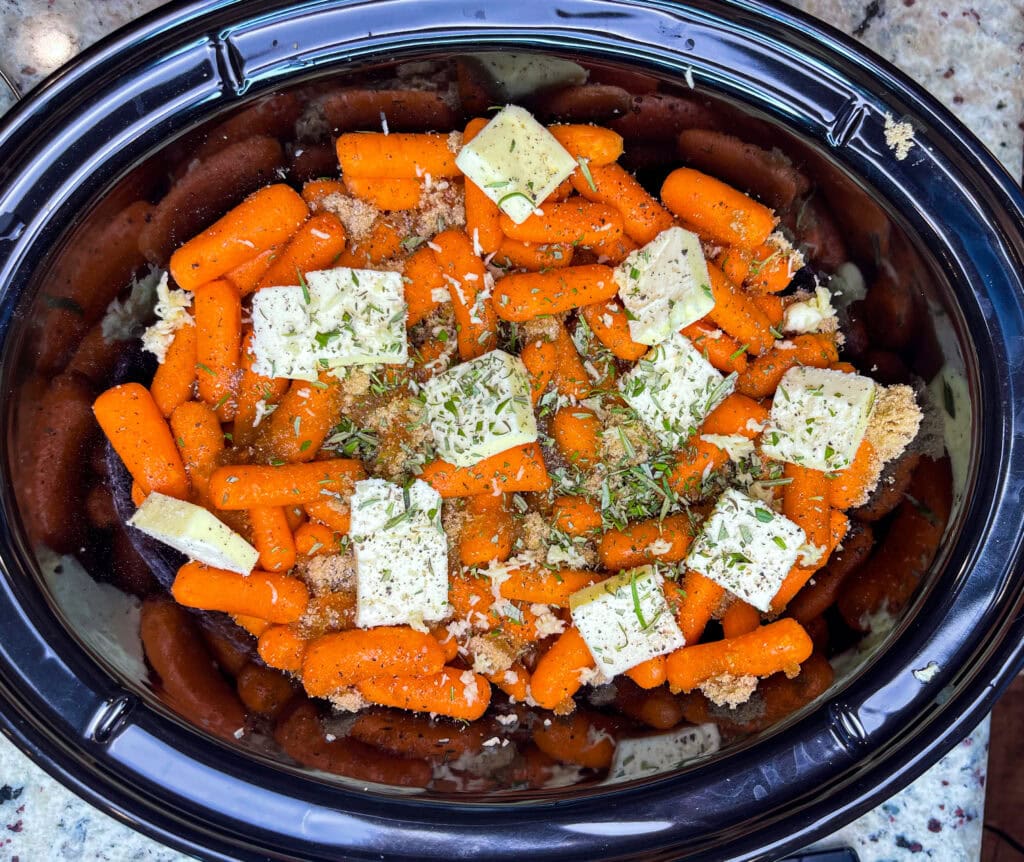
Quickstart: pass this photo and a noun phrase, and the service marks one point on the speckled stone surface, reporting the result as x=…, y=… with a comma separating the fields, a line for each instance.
x=968, y=54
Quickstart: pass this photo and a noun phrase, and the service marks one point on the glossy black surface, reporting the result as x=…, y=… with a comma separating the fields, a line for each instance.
x=109, y=739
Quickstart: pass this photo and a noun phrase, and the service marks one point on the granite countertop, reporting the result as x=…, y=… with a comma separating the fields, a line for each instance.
x=968, y=54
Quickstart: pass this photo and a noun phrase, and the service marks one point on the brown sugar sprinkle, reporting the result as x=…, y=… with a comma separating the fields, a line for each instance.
x=894, y=423
x=729, y=690
x=328, y=573
x=534, y=532
x=490, y=655
x=356, y=215
x=347, y=700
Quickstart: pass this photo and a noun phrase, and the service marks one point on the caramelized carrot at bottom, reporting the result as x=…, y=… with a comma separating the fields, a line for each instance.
x=546, y=587
x=740, y=618
x=487, y=532
x=272, y=538
x=721, y=350
x=556, y=677
x=341, y=659
x=539, y=357
x=198, y=434
x=315, y=539
x=575, y=739
x=176, y=375
x=518, y=469
x=764, y=373
x=577, y=434
x=695, y=601
x=657, y=708
x=778, y=646
x=737, y=414
x=452, y=692
x=815, y=598
x=891, y=489
x=576, y=516
x=649, y=674
x=263, y=690
x=415, y=735
x=281, y=647
x=269, y=596
x=632, y=546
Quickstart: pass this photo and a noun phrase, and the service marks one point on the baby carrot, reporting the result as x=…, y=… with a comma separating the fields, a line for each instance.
x=316, y=245
x=737, y=314
x=694, y=463
x=524, y=296
x=610, y=325
x=577, y=434
x=262, y=690
x=176, y=375
x=303, y=418
x=557, y=675
x=267, y=217
x=341, y=659
x=726, y=215
x=764, y=373
x=665, y=540
x=332, y=512
x=532, y=256
x=383, y=242
x=396, y=156
x=779, y=646
x=142, y=439
x=650, y=673
x=575, y=222
x=483, y=218
x=269, y=596
x=487, y=531
x=466, y=276
x=254, y=391
x=740, y=618
x=851, y=486
x=599, y=146
x=736, y=414
x=312, y=539
x=272, y=538
x=218, y=313
x=695, y=601
x=770, y=269
x=576, y=516
x=546, y=587
x=771, y=307
x=805, y=502
x=422, y=276
x=518, y=469
x=201, y=440
x=575, y=739
x=540, y=360
x=657, y=708
x=447, y=693
x=570, y=377
x=721, y=350
x=243, y=486
x=386, y=193
x=838, y=524
x=253, y=625
x=643, y=218
x=315, y=191
x=246, y=276
x=280, y=647
x=515, y=682
x=814, y=599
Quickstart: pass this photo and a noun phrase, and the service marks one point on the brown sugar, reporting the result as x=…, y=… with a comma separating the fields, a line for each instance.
x=729, y=690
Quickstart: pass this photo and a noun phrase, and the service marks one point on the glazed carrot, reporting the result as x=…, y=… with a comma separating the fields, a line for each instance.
x=798, y=576
x=815, y=598
x=851, y=486
x=524, y=296
x=518, y=469
x=262, y=690
x=577, y=434
x=657, y=708
x=737, y=314
x=453, y=692
x=779, y=646
x=176, y=375
x=696, y=600
x=447, y=641
x=422, y=276
x=316, y=245
x=269, y=596
x=397, y=156
x=315, y=191
x=740, y=618
x=575, y=739
x=243, y=486
x=540, y=358
x=255, y=392
x=770, y=306
x=246, y=276
x=466, y=276
x=764, y=373
x=649, y=674
x=341, y=659
x=332, y=512
x=266, y=218
x=805, y=502
x=142, y=439
x=599, y=146
x=350, y=108
x=201, y=440
x=544, y=586
x=295, y=516
x=721, y=350
x=557, y=675
x=694, y=463
x=610, y=325
x=383, y=242
x=574, y=222
x=643, y=217
x=414, y=735
x=736, y=414
x=218, y=314
x=386, y=193
x=272, y=538
x=891, y=490
x=665, y=540
x=281, y=647
x=253, y=625
x=303, y=418
x=515, y=682
x=487, y=532
x=483, y=218
x=533, y=257
x=312, y=539
x=576, y=516
x=727, y=215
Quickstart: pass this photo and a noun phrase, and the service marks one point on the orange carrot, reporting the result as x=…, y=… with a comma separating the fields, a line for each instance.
x=562, y=191
x=201, y=440
x=764, y=374
x=771, y=307
x=721, y=350
x=531, y=256
x=445, y=693
x=253, y=625
x=770, y=269
x=740, y=618
x=665, y=540
x=313, y=539
x=576, y=516
x=798, y=576
x=280, y=647
x=557, y=675
x=246, y=276
x=577, y=434
x=487, y=531
x=243, y=486
x=725, y=214
x=422, y=275
x=515, y=682
x=142, y=439
x=518, y=469
x=332, y=512
x=851, y=486
x=649, y=674
x=657, y=708
x=737, y=314
x=805, y=502
x=396, y=156
x=465, y=275
x=575, y=739
x=736, y=414
x=386, y=193
x=524, y=296
x=779, y=646
x=695, y=603
x=575, y=222
x=218, y=313
x=642, y=216
x=697, y=460
x=305, y=415
x=540, y=360
x=383, y=242
x=315, y=191
x=269, y=596
x=265, y=218
x=341, y=659
x=483, y=218
x=610, y=325
x=316, y=245
x=544, y=586
x=272, y=538
x=176, y=375
x=599, y=146
x=262, y=690
x=254, y=390
x=571, y=378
